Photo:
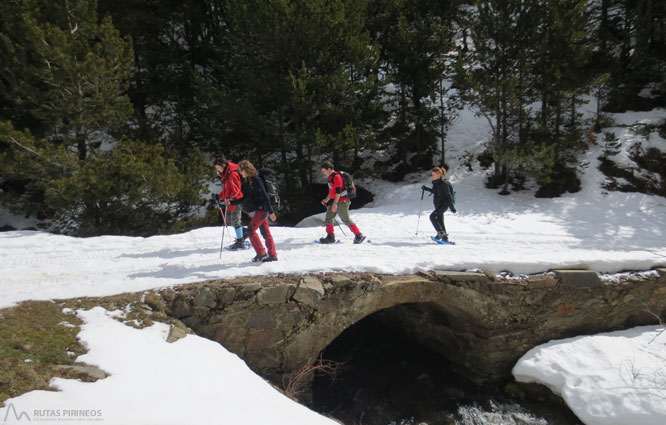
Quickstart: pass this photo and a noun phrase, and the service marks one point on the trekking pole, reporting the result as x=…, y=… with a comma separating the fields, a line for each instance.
x=341, y=229
x=420, y=209
x=224, y=220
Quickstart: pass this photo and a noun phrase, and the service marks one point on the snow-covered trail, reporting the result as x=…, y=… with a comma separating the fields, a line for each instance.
x=522, y=234
x=603, y=231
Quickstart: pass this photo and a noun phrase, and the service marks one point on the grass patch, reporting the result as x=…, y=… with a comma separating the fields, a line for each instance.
x=34, y=338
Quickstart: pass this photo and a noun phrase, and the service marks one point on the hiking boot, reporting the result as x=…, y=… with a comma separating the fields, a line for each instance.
x=260, y=257
x=359, y=238
x=247, y=232
x=269, y=259
x=239, y=244
x=442, y=236
x=330, y=238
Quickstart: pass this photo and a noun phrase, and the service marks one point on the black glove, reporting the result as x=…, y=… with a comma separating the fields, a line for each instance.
x=426, y=188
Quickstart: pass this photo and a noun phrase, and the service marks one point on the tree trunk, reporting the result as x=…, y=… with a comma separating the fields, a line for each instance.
x=442, y=127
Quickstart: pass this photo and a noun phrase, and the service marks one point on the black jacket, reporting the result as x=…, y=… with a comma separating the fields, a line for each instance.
x=443, y=192
x=255, y=196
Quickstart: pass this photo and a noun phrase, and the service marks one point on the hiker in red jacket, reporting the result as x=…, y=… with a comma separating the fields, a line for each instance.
x=231, y=191
x=337, y=203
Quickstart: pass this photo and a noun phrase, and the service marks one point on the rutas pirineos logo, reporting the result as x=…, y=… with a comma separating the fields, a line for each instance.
x=52, y=415
x=11, y=411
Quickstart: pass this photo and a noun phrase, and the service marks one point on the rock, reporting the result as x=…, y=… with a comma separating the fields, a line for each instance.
x=192, y=322
x=578, y=278
x=374, y=284
x=340, y=280
x=454, y=276
x=176, y=333
x=205, y=298
x=155, y=302
x=231, y=337
x=91, y=371
x=309, y=291
x=263, y=319
x=250, y=287
x=226, y=295
x=262, y=358
x=262, y=339
x=275, y=294
x=543, y=281
x=181, y=308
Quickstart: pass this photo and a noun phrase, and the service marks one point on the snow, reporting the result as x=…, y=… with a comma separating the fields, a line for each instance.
x=197, y=381
x=191, y=381
x=614, y=378
x=604, y=231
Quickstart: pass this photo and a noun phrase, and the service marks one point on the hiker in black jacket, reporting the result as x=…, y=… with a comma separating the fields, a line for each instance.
x=443, y=200
x=257, y=204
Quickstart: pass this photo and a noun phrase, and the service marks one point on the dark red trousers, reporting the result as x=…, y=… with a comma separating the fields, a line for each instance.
x=260, y=221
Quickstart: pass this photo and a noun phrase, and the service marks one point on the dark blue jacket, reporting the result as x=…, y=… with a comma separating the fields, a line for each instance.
x=443, y=192
x=255, y=196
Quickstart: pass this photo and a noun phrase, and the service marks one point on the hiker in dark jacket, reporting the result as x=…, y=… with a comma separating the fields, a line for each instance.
x=257, y=204
x=443, y=200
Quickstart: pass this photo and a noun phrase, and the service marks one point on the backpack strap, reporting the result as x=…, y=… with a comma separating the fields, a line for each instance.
x=343, y=193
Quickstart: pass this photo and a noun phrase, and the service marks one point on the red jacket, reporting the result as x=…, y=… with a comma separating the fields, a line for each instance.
x=336, y=185
x=231, y=184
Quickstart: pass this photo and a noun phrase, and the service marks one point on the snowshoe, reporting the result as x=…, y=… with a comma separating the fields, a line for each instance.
x=239, y=244
x=359, y=238
x=443, y=242
x=260, y=258
x=330, y=238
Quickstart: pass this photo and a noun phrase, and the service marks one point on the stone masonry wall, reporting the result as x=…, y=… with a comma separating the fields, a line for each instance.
x=481, y=322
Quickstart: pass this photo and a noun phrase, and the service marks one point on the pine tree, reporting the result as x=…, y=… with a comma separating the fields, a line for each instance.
x=497, y=76
x=68, y=72
x=415, y=37
x=63, y=79
x=66, y=79
x=611, y=144
x=135, y=188
x=294, y=78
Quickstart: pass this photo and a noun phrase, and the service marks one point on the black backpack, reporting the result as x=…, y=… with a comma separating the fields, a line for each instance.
x=270, y=182
x=350, y=187
x=452, y=192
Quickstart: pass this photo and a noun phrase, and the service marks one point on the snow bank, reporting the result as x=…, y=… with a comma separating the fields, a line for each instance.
x=615, y=378
x=190, y=381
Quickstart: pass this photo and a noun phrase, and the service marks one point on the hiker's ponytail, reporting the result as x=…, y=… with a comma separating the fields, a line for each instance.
x=439, y=170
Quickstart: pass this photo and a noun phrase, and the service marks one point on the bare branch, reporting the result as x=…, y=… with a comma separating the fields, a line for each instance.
x=652, y=313
x=301, y=375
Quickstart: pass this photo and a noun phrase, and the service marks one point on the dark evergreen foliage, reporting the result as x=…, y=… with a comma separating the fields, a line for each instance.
x=104, y=102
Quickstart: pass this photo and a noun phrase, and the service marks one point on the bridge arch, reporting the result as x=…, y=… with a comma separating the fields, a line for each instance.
x=481, y=323
x=425, y=310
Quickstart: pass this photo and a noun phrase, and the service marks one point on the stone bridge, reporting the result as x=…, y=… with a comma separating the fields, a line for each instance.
x=480, y=322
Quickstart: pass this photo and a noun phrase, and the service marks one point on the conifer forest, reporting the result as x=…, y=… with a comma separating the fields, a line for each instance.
x=111, y=111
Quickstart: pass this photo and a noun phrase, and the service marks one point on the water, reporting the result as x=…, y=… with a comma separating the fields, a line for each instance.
x=388, y=379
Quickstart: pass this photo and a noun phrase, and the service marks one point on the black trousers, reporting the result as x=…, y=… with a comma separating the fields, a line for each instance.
x=437, y=220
